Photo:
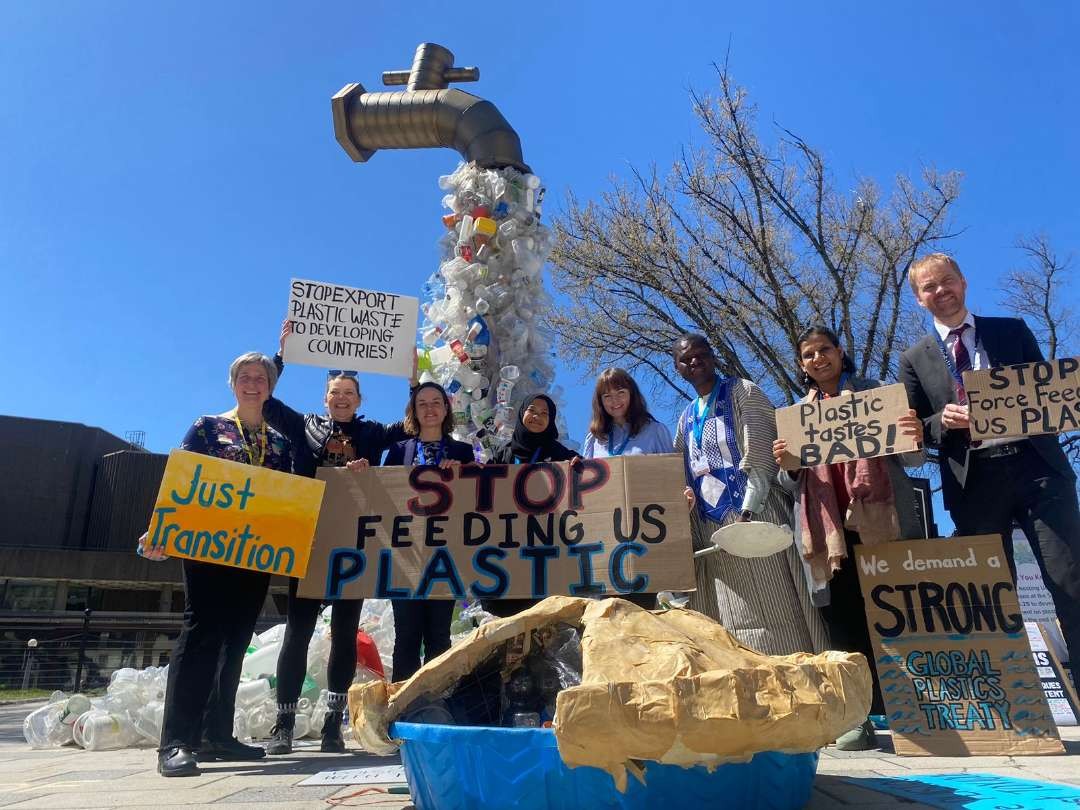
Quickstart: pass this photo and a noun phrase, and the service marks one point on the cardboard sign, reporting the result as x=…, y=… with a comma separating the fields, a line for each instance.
x=951, y=652
x=350, y=328
x=1059, y=691
x=1027, y=399
x=605, y=526
x=227, y=513
x=855, y=424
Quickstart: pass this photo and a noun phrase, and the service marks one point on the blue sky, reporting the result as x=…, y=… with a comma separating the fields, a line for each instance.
x=166, y=167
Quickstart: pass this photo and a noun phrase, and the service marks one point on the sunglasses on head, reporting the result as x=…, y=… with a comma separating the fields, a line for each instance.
x=337, y=372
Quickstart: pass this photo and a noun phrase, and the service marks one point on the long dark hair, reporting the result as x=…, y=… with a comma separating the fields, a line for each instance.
x=412, y=423
x=637, y=412
x=819, y=330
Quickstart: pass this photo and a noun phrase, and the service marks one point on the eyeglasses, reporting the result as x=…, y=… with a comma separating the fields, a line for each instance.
x=337, y=372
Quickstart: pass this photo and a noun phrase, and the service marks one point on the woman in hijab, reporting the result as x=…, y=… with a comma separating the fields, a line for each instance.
x=535, y=439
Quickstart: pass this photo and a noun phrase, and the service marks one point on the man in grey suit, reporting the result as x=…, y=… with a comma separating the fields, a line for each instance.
x=988, y=485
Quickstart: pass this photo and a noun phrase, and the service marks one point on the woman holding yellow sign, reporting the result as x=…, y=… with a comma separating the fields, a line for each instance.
x=868, y=500
x=222, y=603
x=336, y=438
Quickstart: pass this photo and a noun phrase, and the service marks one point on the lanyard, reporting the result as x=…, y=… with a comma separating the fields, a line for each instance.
x=617, y=451
x=533, y=460
x=252, y=459
x=950, y=363
x=422, y=456
x=698, y=424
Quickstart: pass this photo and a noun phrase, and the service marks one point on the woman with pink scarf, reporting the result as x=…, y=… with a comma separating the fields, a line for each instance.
x=837, y=506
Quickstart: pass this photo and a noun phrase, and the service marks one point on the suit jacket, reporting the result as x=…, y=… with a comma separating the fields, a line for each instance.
x=403, y=454
x=931, y=387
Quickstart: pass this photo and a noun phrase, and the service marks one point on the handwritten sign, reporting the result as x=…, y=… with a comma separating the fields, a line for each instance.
x=1027, y=399
x=951, y=653
x=605, y=526
x=855, y=424
x=350, y=328
x=227, y=513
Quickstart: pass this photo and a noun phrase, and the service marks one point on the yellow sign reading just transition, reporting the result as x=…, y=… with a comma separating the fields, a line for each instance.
x=226, y=513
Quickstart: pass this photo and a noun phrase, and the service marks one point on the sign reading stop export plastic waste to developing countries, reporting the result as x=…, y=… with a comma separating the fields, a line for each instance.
x=604, y=526
x=223, y=512
x=350, y=328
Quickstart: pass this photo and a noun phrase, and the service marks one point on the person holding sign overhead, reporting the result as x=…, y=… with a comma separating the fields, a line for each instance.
x=221, y=603
x=988, y=485
x=868, y=500
x=336, y=438
x=424, y=622
x=535, y=439
x=726, y=437
x=621, y=422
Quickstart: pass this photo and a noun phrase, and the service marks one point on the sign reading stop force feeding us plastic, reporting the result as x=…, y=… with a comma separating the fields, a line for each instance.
x=1026, y=399
x=351, y=328
x=222, y=512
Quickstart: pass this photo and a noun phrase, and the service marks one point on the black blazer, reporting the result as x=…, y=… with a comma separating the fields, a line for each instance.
x=930, y=387
x=504, y=454
x=403, y=454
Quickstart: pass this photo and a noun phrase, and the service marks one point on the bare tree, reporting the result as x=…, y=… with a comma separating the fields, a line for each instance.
x=747, y=243
x=1034, y=292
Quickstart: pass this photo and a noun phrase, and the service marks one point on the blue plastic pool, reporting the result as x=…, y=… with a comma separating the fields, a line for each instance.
x=468, y=768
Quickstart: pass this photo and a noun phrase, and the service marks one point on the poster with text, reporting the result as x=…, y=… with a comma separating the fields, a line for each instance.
x=951, y=652
x=335, y=326
x=223, y=512
x=854, y=424
x=602, y=527
x=1026, y=399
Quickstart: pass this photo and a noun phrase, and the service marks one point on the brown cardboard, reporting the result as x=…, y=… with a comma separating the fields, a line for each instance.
x=952, y=656
x=579, y=525
x=671, y=686
x=1027, y=399
x=855, y=424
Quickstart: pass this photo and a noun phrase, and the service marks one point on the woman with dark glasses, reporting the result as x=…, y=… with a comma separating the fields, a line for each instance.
x=336, y=438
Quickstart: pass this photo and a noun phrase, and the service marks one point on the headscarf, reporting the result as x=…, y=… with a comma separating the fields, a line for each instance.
x=525, y=443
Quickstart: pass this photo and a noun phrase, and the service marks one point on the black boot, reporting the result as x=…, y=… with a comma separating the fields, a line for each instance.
x=281, y=734
x=332, y=741
x=177, y=761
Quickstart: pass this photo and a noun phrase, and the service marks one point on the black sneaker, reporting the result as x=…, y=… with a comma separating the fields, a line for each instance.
x=332, y=741
x=281, y=736
x=177, y=761
x=230, y=750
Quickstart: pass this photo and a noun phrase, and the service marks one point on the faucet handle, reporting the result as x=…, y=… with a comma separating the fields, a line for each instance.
x=432, y=69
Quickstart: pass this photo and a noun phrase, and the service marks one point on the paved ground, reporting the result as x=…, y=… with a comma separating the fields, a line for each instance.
x=72, y=778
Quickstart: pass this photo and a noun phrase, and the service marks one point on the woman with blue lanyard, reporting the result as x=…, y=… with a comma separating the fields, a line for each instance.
x=839, y=506
x=429, y=421
x=621, y=422
x=726, y=435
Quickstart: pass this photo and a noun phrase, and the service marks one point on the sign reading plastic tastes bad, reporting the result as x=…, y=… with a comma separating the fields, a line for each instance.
x=1027, y=399
x=855, y=424
x=350, y=328
x=222, y=512
x=951, y=652
x=605, y=526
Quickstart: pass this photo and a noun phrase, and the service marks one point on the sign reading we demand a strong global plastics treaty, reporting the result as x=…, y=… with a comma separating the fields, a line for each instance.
x=951, y=651
x=226, y=513
x=603, y=526
x=335, y=326
x=1026, y=399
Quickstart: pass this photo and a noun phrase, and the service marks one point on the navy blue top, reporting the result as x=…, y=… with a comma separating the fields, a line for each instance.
x=404, y=453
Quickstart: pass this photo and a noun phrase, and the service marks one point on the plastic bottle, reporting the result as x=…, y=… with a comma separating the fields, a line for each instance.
x=249, y=693
x=106, y=731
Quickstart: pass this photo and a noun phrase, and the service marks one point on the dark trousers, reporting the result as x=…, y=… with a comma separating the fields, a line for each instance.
x=845, y=617
x=1024, y=489
x=221, y=606
x=300, y=624
x=416, y=622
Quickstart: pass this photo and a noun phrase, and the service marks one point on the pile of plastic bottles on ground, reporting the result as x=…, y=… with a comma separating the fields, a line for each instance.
x=130, y=713
x=481, y=337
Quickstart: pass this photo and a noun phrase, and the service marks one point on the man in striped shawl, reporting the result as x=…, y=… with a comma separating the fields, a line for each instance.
x=726, y=436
